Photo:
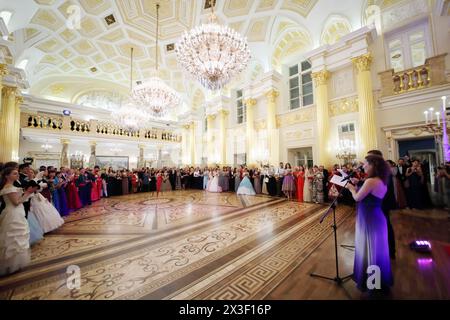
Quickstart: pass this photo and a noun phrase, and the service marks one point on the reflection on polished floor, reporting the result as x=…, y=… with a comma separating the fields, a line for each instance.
x=198, y=245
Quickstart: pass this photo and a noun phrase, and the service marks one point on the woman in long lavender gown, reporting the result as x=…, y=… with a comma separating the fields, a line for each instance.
x=371, y=237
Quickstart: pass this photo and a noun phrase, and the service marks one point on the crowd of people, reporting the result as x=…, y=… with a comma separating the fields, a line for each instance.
x=34, y=202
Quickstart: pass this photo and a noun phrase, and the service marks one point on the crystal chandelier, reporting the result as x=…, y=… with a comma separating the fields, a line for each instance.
x=154, y=95
x=213, y=54
x=128, y=116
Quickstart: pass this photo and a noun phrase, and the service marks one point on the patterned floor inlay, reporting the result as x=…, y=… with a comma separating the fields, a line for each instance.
x=196, y=245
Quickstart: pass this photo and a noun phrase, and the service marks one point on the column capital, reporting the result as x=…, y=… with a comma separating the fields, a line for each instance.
x=211, y=117
x=223, y=112
x=10, y=90
x=250, y=103
x=321, y=78
x=3, y=69
x=65, y=141
x=141, y=146
x=363, y=63
x=187, y=126
x=272, y=95
x=92, y=143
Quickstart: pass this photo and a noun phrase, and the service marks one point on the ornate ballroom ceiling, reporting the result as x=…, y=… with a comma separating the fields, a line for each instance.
x=64, y=63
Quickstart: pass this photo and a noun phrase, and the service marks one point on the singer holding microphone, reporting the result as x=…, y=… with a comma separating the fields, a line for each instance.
x=371, y=238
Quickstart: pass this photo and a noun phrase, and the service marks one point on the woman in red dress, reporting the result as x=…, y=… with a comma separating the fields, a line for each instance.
x=98, y=182
x=134, y=181
x=300, y=180
x=94, y=190
x=73, y=198
x=159, y=180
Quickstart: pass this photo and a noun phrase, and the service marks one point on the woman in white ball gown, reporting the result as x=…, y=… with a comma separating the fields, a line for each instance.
x=246, y=187
x=213, y=185
x=47, y=215
x=14, y=229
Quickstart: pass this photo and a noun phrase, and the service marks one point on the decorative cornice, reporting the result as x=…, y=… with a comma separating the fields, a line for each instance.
x=321, y=78
x=272, y=95
x=250, y=103
x=363, y=63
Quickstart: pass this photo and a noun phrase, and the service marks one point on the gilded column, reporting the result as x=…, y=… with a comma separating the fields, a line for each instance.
x=3, y=72
x=323, y=122
x=92, y=158
x=272, y=131
x=210, y=139
x=159, y=156
x=223, y=136
x=367, y=126
x=184, y=145
x=16, y=142
x=64, y=160
x=192, y=143
x=140, y=163
x=250, y=129
x=7, y=125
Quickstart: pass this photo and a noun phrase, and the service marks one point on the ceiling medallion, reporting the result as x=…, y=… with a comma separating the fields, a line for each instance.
x=154, y=95
x=212, y=53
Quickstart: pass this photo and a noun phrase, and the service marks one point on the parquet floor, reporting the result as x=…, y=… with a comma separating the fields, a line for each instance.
x=199, y=245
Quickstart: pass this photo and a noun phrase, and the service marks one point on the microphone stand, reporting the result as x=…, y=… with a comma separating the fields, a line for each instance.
x=332, y=208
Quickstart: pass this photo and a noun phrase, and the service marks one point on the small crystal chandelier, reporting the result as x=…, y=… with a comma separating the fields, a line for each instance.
x=153, y=94
x=213, y=54
x=128, y=116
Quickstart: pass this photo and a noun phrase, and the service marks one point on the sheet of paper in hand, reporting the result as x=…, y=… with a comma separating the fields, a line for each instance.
x=338, y=180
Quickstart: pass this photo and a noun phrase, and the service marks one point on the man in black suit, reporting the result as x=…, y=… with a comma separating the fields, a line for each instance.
x=22, y=183
x=172, y=178
x=325, y=182
x=402, y=167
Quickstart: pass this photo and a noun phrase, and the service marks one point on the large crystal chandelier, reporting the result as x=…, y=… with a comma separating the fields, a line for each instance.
x=213, y=54
x=153, y=94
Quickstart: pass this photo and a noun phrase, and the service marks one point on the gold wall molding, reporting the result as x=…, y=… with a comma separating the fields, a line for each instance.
x=299, y=116
x=343, y=106
x=261, y=125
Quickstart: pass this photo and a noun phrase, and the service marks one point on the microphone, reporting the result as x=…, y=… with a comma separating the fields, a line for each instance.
x=351, y=175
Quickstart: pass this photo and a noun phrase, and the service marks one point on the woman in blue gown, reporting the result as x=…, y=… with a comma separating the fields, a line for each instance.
x=246, y=187
x=371, y=237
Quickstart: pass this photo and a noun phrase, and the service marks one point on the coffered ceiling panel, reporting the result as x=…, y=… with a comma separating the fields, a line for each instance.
x=47, y=19
x=302, y=7
x=103, y=45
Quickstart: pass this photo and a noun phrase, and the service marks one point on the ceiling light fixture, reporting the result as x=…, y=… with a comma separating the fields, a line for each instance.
x=153, y=94
x=212, y=53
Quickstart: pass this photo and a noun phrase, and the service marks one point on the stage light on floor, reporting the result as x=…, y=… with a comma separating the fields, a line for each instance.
x=421, y=246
